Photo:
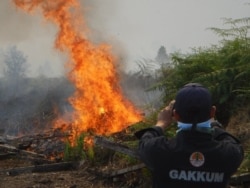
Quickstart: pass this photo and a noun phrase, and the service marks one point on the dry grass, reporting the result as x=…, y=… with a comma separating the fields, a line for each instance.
x=239, y=126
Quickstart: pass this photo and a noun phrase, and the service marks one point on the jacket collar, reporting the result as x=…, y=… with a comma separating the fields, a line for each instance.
x=200, y=127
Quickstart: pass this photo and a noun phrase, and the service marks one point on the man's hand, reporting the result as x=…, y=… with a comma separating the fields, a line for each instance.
x=165, y=117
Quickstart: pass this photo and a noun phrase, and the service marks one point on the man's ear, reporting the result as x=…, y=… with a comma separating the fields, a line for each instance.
x=176, y=115
x=212, y=112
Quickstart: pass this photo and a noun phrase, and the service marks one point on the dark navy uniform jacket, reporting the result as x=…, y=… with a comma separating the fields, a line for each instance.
x=192, y=159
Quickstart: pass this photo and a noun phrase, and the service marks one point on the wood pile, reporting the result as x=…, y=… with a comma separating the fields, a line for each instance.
x=44, y=151
x=49, y=145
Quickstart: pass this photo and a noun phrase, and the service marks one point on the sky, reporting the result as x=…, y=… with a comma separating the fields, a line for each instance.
x=135, y=29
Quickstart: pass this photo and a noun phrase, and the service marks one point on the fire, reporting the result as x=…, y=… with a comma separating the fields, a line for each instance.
x=99, y=106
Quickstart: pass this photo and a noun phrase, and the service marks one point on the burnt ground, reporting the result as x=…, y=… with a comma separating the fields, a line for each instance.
x=86, y=175
x=91, y=172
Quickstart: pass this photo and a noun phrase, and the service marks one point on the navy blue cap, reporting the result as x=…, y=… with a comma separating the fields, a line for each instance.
x=193, y=103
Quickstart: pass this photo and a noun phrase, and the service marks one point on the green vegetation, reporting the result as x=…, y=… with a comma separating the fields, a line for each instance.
x=75, y=152
x=224, y=69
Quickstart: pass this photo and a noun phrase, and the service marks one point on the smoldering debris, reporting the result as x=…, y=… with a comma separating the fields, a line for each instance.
x=33, y=105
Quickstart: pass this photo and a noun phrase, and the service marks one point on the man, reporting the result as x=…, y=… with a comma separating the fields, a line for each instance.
x=202, y=155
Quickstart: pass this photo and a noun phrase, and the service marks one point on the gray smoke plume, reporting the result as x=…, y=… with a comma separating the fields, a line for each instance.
x=30, y=102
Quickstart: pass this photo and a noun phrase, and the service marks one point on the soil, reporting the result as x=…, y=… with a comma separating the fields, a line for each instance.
x=89, y=174
x=86, y=176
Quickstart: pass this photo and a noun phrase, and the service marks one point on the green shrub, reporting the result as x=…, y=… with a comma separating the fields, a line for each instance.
x=75, y=152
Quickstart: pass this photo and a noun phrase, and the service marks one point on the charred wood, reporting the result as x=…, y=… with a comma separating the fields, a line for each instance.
x=115, y=146
x=242, y=179
x=125, y=170
x=13, y=149
x=64, y=166
x=4, y=156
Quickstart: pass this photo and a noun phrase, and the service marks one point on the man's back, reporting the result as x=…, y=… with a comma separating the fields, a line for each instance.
x=191, y=159
x=201, y=155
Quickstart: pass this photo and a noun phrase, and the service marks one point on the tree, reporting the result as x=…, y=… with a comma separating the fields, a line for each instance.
x=162, y=58
x=223, y=68
x=14, y=73
x=16, y=64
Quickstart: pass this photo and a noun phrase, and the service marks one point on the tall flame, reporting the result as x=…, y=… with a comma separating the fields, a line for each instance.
x=99, y=106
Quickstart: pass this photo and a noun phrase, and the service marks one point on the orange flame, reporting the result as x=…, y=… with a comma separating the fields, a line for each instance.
x=99, y=106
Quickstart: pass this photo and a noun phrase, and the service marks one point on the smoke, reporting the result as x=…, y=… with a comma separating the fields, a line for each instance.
x=28, y=104
x=16, y=26
x=33, y=36
x=99, y=16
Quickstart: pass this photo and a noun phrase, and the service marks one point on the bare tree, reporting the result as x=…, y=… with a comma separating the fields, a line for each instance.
x=16, y=64
x=162, y=57
x=15, y=67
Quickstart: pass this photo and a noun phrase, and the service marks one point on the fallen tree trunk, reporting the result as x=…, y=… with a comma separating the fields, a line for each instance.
x=242, y=179
x=126, y=170
x=122, y=149
x=16, y=150
x=115, y=146
x=64, y=166
x=4, y=156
